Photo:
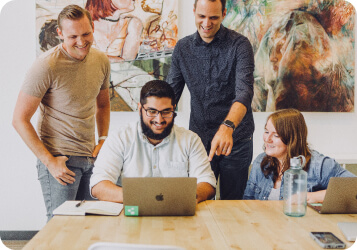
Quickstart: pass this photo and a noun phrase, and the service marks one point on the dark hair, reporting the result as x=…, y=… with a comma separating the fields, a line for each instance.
x=100, y=9
x=157, y=88
x=73, y=12
x=291, y=127
x=223, y=2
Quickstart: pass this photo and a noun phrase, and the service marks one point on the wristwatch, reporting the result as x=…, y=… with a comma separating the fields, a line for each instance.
x=102, y=138
x=230, y=124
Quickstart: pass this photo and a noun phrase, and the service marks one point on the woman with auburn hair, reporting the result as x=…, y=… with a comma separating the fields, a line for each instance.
x=116, y=32
x=285, y=136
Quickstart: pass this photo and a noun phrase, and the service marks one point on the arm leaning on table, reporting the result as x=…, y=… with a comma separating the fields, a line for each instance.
x=108, y=191
x=107, y=170
x=323, y=168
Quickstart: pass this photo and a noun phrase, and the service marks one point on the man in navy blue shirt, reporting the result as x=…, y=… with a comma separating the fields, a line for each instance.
x=217, y=65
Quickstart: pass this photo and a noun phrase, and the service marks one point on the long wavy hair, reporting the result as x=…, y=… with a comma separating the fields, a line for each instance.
x=100, y=9
x=291, y=127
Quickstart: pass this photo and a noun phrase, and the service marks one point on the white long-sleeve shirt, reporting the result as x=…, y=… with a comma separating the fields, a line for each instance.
x=128, y=153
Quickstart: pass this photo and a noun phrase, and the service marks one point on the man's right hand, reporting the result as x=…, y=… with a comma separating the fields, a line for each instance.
x=60, y=172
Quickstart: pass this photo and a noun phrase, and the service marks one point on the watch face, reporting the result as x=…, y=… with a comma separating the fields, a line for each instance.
x=229, y=124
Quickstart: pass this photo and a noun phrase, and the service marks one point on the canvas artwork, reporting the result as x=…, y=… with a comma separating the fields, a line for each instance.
x=304, y=52
x=138, y=36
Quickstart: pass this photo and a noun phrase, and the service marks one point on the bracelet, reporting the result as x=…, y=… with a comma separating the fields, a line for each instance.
x=102, y=138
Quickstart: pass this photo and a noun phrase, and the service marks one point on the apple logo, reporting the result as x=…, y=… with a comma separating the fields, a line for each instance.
x=159, y=197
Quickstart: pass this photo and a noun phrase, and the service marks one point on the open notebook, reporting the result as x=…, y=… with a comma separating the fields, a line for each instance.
x=88, y=207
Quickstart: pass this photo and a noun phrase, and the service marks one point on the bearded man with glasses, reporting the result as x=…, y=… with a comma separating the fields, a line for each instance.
x=153, y=147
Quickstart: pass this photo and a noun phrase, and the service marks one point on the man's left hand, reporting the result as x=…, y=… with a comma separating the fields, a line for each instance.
x=222, y=142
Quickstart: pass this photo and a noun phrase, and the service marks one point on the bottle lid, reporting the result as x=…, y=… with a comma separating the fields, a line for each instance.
x=296, y=161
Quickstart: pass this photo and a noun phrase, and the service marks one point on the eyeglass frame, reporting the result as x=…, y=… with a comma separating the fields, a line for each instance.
x=159, y=112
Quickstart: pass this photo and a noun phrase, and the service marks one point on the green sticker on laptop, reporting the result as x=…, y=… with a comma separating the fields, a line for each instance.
x=316, y=204
x=131, y=211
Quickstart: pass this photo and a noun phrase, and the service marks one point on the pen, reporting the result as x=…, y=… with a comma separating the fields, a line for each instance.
x=80, y=203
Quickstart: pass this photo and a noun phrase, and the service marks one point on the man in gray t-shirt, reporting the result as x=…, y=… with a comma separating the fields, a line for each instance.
x=70, y=85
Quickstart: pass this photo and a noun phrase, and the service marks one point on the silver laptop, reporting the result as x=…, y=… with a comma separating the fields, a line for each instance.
x=340, y=198
x=159, y=196
x=349, y=230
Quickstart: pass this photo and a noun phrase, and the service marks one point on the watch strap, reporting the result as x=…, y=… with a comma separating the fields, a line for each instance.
x=102, y=138
x=230, y=124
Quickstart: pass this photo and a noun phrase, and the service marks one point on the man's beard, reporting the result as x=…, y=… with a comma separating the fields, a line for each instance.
x=150, y=134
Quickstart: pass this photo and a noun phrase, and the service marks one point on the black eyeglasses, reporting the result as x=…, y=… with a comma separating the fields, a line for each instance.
x=154, y=113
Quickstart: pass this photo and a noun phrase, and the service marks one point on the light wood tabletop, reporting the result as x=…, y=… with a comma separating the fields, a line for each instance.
x=79, y=232
x=216, y=225
x=263, y=224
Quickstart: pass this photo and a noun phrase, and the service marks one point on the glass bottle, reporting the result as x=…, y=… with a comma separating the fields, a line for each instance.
x=295, y=188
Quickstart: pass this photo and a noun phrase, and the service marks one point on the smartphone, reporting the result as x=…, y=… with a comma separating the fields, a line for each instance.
x=327, y=240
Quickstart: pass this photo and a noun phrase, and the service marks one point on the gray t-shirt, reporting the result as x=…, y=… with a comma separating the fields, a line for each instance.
x=68, y=88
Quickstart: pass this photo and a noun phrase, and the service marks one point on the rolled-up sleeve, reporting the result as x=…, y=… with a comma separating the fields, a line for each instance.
x=244, y=72
x=175, y=77
x=109, y=163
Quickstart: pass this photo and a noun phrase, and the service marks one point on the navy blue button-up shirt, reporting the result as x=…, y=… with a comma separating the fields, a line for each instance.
x=217, y=74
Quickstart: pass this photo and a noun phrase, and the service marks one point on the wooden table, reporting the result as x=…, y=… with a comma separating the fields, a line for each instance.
x=216, y=225
x=262, y=224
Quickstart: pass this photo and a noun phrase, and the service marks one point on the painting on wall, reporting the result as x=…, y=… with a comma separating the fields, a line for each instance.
x=304, y=52
x=138, y=36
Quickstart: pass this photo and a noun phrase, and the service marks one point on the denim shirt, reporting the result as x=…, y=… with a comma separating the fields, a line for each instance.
x=321, y=169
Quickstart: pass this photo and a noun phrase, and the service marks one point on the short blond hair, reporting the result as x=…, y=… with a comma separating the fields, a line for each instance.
x=73, y=12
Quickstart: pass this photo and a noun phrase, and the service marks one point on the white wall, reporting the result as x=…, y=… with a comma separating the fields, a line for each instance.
x=22, y=207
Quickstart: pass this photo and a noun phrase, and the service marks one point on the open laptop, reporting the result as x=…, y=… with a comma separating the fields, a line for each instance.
x=340, y=198
x=159, y=196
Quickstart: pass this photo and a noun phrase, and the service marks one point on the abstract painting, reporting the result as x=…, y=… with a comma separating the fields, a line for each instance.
x=304, y=52
x=138, y=36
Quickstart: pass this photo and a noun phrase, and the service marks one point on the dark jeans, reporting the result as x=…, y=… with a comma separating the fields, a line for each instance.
x=233, y=169
x=55, y=194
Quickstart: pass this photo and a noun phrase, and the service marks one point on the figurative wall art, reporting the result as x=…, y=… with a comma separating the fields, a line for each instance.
x=304, y=52
x=138, y=36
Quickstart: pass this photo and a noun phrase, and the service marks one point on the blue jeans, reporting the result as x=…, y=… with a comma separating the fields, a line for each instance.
x=55, y=194
x=233, y=169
